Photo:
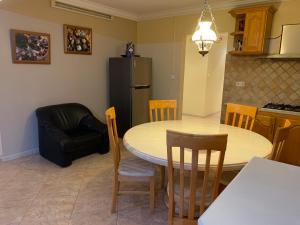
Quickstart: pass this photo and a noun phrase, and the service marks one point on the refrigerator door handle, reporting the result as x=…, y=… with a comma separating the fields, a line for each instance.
x=141, y=86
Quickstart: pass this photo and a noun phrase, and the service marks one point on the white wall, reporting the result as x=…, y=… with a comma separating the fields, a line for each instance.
x=215, y=75
x=69, y=78
x=195, y=79
x=204, y=78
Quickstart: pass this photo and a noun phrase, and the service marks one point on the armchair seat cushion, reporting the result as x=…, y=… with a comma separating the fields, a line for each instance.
x=81, y=139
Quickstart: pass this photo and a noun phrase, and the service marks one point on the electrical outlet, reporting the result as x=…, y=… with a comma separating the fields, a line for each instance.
x=240, y=84
x=173, y=77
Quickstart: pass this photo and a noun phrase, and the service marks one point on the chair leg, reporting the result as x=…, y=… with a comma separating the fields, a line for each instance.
x=152, y=194
x=115, y=194
x=162, y=177
x=171, y=214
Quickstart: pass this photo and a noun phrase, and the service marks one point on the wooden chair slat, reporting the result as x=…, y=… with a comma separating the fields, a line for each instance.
x=162, y=114
x=171, y=185
x=241, y=121
x=156, y=114
x=168, y=114
x=247, y=121
x=205, y=182
x=193, y=185
x=234, y=118
x=181, y=177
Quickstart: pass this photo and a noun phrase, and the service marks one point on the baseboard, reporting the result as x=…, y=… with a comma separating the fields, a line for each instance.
x=19, y=155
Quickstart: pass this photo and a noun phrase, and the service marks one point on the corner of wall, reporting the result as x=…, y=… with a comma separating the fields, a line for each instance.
x=1, y=148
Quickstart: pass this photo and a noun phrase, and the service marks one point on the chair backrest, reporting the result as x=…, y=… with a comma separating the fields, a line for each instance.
x=265, y=126
x=242, y=116
x=290, y=152
x=196, y=143
x=162, y=110
x=113, y=136
x=64, y=116
x=280, y=138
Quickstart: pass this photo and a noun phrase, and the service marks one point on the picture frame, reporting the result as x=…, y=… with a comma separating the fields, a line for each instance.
x=28, y=47
x=77, y=40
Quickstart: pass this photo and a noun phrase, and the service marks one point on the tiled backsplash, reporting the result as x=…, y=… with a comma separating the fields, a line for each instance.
x=266, y=80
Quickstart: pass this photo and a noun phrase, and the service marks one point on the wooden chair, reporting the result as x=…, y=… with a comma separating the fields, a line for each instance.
x=160, y=110
x=242, y=116
x=127, y=170
x=265, y=126
x=196, y=143
x=281, y=136
x=290, y=151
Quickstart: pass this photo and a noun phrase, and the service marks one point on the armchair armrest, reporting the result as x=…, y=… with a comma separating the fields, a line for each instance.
x=55, y=134
x=91, y=123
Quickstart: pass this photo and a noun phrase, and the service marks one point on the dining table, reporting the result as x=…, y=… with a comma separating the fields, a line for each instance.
x=148, y=141
x=265, y=192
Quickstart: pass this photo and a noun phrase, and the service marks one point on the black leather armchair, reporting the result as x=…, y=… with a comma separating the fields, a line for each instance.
x=70, y=131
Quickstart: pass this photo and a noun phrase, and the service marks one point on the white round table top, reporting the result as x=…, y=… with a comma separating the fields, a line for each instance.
x=148, y=141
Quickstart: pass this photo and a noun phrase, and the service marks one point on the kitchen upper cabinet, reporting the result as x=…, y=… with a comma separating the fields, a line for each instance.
x=253, y=27
x=254, y=31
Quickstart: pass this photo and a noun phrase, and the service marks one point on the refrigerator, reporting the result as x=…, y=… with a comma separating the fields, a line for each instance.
x=130, y=90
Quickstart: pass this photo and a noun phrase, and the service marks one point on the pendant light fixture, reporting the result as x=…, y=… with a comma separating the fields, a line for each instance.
x=204, y=36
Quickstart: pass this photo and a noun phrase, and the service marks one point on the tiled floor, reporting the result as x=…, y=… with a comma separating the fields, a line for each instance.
x=34, y=191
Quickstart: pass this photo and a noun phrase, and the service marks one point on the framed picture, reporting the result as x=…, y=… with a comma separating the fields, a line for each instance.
x=30, y=47
x=77, y=40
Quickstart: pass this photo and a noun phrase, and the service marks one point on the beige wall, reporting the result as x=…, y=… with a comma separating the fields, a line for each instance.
x=118, y=28
x=69, y=78
x=161, y=33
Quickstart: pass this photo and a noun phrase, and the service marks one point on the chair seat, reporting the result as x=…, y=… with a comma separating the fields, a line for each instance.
x=184, y=221
x=136, y=167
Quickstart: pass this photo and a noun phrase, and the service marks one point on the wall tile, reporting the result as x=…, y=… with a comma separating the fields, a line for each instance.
x=266, y=80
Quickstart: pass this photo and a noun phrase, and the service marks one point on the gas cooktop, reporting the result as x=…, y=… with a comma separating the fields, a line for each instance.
x=284, y=107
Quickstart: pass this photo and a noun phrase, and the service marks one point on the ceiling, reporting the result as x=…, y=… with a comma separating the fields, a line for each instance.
x=149, y=9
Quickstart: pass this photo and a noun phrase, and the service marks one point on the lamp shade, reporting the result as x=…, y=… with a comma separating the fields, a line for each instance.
x=204, y=37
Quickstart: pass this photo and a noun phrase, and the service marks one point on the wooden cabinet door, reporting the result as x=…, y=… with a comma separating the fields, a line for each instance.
x=254, y=31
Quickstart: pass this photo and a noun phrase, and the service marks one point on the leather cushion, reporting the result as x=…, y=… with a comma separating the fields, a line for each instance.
x=80, y=139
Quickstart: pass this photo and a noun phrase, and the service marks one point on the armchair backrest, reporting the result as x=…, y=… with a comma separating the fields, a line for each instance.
x=63, y=116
